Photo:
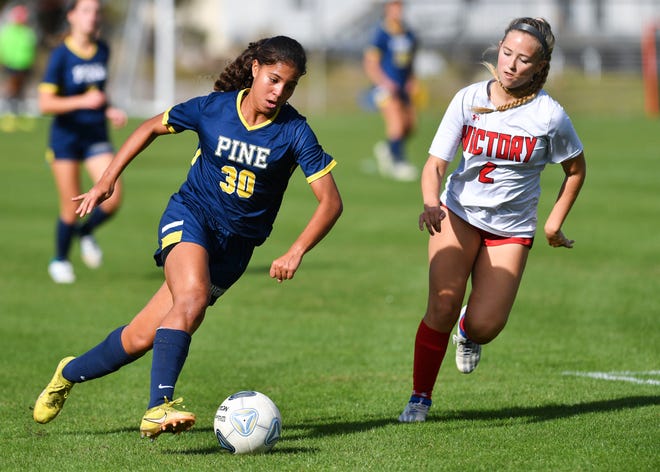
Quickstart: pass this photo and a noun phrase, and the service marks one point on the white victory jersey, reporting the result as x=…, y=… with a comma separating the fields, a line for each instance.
x=496, y=186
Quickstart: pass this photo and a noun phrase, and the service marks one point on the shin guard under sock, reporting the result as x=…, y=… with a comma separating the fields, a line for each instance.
x=430, y=349
x=64, y=234
x=96, y=219
x=396, y=149
x=169, y=354
x=106, y=357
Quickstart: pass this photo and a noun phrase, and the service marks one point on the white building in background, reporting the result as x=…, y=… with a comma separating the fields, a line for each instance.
x=319, y=23
x=592, y=34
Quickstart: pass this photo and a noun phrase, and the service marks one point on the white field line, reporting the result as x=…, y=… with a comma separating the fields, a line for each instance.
x=624, y=376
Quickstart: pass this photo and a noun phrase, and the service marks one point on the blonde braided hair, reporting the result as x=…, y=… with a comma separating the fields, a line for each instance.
x=540, y=29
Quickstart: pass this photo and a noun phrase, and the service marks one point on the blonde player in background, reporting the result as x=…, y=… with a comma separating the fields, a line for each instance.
x=482, y=225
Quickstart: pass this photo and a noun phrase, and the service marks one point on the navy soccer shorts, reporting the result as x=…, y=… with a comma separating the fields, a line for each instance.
x=229, y=254
x=79, y=144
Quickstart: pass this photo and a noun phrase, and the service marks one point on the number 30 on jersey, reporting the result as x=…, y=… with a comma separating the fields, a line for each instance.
x=242, y=183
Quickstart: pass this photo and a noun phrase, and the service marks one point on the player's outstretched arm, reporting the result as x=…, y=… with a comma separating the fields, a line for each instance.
x=433, y=174
x=325, y=216
x=575, y=171
x=134, y=144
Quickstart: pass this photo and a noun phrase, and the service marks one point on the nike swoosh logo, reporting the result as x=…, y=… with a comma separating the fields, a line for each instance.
x=165, y=386
x=157, y=420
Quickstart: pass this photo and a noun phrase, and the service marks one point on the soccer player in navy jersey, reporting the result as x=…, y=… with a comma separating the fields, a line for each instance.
x=73, y=90
x=388, y=63
x=250, y=142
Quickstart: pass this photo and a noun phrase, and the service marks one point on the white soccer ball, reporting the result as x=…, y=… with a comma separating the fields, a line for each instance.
x=247, y=422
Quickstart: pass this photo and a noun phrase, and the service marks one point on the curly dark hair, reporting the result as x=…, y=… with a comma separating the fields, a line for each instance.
x=268, y=51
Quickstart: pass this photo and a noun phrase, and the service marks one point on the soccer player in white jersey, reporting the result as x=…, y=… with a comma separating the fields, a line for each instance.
x=250, y=142
x=482, y=224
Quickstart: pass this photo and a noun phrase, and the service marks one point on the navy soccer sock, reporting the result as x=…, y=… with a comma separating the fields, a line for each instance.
x=169, y=354
x=422, y=400
x=96, y=219
x=396, y=149
x=63, y=235
x=105, y=358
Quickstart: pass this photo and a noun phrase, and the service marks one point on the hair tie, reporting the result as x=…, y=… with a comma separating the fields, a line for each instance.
x=534, y=32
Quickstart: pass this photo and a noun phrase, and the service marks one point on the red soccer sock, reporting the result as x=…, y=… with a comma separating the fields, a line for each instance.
x=430, y=349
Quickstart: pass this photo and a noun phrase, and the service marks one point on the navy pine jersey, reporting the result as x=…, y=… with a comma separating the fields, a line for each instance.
x=397, y=52
x=70, y=73
x=240, y=172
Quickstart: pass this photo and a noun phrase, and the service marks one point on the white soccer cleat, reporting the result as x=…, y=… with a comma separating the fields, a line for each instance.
x=468, y=353
x=61, y=272
x=403, y=171
x=415, y=412
x=90, y=252
x=383, y=158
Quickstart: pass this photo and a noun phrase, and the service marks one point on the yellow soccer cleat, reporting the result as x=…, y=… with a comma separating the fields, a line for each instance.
x=166, y=418
x=51, y=400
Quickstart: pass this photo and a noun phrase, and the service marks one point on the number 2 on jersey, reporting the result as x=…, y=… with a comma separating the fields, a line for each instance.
x=240, y=182
x=487, y=168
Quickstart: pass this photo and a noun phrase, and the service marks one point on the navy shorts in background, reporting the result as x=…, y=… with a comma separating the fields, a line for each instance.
x=78, y=144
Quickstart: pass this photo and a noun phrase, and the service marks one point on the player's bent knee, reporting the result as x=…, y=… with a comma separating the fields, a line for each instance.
x=482, y=334
x=137, y=343
x=192, y=304
x=441, y=317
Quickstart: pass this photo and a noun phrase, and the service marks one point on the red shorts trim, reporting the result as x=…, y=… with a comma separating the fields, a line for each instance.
x=490, y=239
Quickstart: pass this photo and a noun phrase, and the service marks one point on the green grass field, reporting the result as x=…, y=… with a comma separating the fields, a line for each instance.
x=572, y=383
